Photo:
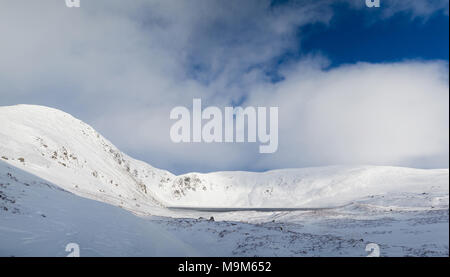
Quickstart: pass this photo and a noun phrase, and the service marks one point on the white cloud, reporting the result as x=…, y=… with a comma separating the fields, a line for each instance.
x=394, y=114
x=123, y=67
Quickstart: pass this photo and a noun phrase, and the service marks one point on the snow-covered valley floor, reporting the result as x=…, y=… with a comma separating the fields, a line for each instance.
x=341, y=232
x=40, y=219
x=61, y=182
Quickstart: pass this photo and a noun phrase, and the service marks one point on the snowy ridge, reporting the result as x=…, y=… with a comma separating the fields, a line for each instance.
x=306, y=187
x=69, y=153
x=48, y=159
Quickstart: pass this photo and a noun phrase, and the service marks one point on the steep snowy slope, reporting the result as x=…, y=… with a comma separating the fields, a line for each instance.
x=48, y=159
x=38, y=218
x=67, y=152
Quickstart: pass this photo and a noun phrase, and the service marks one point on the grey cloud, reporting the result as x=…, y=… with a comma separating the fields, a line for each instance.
x=122, y=67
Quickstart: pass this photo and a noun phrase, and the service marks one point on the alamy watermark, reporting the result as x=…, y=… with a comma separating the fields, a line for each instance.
x=373, y=3
x=73, y=249
x=221, y=127
x=73, y=3
x=76, y=3
x=373, y=249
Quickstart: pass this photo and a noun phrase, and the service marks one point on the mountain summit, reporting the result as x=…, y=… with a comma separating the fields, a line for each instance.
x=59, y=148
x=60, y=181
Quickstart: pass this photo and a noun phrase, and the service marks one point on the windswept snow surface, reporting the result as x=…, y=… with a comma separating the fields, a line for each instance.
x=49, y=159
x=38, y=218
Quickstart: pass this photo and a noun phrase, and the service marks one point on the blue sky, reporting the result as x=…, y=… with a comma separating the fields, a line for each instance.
x=359, y=35
x=356, y=35
x=354, y=85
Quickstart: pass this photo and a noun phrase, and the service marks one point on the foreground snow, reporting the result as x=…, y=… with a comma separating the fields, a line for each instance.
x=38, y=218
x=49, y=159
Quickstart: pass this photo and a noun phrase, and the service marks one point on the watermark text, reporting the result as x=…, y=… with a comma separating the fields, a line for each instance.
x=227, y=126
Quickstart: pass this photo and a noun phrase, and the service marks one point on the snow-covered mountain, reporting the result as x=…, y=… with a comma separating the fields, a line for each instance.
x=56, y=147
x=306, y=187
x=51, y=162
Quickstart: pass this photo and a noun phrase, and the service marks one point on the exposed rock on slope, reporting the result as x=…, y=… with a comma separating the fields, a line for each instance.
x=67, y=152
